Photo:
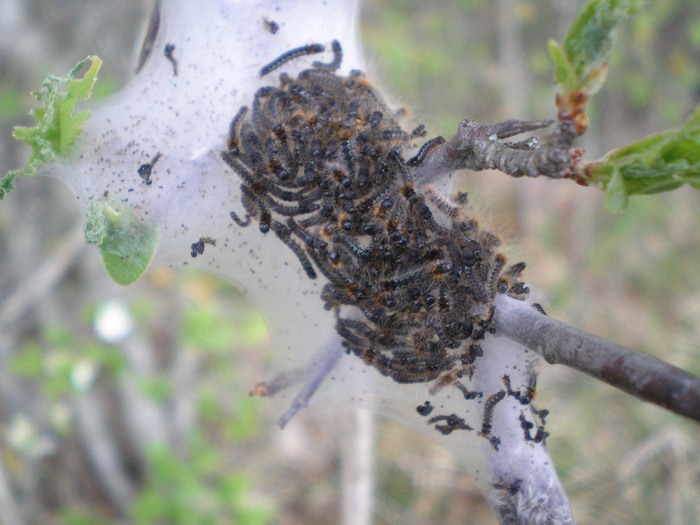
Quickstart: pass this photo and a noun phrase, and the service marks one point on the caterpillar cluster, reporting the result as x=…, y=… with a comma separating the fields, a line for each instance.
x=448, y=423
x=411, y=280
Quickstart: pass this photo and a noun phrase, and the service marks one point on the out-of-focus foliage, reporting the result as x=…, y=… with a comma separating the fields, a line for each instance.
x=192, y=484
x=66, y=366
x=196, y=490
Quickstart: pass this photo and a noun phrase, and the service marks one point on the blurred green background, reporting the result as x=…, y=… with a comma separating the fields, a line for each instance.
x=158, y=428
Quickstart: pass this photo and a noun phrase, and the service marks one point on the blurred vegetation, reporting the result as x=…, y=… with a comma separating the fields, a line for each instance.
x=207, y=453
x=191, y=483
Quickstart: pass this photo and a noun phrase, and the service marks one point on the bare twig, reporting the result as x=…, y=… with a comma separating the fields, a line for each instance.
x=11, y=514
x=641, y=375
x=150, y=36
x=147, y=420
x=481, y=147
x=102, y=450
x=40, y=281
x=358, y=462
x=317, y=373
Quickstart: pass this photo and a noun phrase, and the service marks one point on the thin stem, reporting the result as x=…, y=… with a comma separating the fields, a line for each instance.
x=11, y=510
x=358, y=468
x=43, y=279
x=636, y=373
x=102, y=451
x=317, y=373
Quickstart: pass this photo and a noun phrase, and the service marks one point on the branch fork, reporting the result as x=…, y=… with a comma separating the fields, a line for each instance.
x=481, y=147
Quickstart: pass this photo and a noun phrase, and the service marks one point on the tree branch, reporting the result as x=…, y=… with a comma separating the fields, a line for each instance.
x=11, y=511
x=102, y=451
x=641, y=375
x=480, y=147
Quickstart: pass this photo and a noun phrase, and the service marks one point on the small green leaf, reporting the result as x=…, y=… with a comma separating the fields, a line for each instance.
x=6, y=185
x=581, y=60
x=564, y=72
x=661, y=162
x=57, y=125
x=126, y=244
x=616, y=197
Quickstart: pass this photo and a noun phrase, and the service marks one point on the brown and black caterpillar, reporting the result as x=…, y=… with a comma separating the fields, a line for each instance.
x=411, y=279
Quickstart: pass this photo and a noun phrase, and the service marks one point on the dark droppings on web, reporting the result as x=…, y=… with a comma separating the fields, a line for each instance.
x=146, y=170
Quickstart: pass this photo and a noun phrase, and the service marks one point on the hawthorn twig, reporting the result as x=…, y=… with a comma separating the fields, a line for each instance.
x=636, y=373
x=481, y=146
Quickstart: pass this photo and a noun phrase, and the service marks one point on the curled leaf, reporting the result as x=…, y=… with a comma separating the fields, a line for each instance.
x=581, y=60
x=57, y=124
x=126, y=244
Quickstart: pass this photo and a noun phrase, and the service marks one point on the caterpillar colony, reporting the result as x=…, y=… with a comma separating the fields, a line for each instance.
x=411, y=279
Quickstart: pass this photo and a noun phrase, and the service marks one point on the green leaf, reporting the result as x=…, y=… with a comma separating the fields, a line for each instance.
x=29, y=362
x=6, y=185
x=564, y=71
x=203, y=328
x=661, y=162
x=581, y=60
x=126, y=243
x=616, y=197
x=57, y=125
x=74, y=517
